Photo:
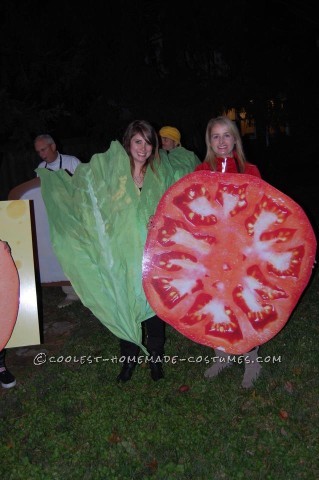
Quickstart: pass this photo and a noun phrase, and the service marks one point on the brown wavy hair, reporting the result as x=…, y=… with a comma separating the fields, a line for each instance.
x=147, y=131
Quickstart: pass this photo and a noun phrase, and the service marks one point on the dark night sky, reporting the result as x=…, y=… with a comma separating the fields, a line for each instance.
x=151, y=58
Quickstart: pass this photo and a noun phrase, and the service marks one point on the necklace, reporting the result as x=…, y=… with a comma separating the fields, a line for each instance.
x=138, y=180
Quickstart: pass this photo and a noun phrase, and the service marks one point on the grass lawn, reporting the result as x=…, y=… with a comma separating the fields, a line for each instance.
x=70, y=420
x=67, y=420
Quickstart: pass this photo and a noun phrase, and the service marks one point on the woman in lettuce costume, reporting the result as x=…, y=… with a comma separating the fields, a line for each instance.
x=98, y=225
x=140, y=144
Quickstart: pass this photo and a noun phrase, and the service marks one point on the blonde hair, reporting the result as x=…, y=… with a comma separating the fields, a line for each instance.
x=239, y=154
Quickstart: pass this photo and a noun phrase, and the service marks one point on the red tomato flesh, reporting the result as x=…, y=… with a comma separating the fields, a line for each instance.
x=227, y=259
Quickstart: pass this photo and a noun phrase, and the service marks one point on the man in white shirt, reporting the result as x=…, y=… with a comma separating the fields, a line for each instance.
x=46, y=148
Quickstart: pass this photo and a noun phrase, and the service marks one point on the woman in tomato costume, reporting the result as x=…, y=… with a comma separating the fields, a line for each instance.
x=225, y=151
x=225, y=154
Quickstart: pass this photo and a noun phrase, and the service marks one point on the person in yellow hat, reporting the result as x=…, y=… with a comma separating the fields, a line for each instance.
x=172, y=150
x=170, y=138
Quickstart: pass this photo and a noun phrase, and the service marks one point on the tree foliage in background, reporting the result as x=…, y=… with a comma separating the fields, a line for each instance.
x=86, y=71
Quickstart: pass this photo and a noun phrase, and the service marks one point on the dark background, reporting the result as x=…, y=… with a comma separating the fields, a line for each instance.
x=83, y=72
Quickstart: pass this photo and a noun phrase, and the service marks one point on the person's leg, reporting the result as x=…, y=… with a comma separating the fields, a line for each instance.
x=252, y=368
x=155, y=328
x=70, y=298
x=7, y=380
x=129, y=353
x=222, y=361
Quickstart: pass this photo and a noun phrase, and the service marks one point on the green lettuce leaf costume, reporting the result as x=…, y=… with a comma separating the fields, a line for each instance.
x=98, y=227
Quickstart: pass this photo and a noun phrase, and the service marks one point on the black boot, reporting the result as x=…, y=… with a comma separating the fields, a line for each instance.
x=129, y=352
x=126, y=372
x=156, y=366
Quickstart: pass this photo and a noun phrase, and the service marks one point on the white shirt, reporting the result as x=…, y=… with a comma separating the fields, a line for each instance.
x=64, y=162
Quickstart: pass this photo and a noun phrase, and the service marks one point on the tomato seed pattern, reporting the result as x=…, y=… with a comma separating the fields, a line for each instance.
x=227, y=260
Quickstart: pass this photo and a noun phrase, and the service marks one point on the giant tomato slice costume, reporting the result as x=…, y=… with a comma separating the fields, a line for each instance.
x=227, y=259
x=9, y=295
